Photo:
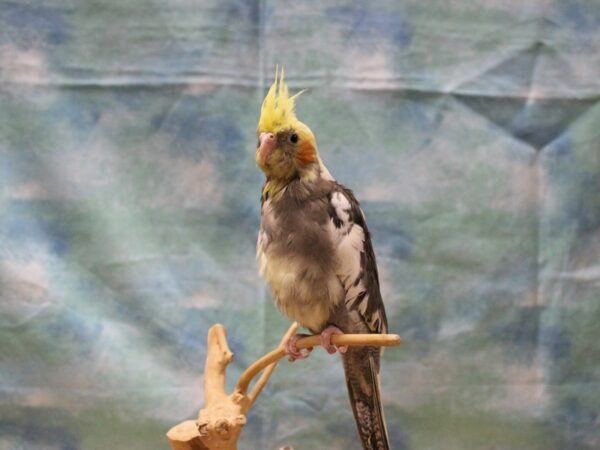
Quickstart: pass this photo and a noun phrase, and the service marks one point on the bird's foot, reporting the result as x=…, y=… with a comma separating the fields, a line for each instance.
x=326, y=340
x=293, y=352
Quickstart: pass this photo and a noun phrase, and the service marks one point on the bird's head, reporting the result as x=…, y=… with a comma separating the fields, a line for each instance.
x=286, y=147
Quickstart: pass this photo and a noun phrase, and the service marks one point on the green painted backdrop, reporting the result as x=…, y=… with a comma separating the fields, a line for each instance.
x=129, y=208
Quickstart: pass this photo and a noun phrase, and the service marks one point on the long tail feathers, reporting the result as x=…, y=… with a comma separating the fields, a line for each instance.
x=361, y=365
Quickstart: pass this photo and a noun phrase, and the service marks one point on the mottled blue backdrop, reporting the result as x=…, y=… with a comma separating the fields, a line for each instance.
x=129, y=208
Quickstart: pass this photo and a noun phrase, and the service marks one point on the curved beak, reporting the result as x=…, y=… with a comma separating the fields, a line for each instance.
x=267, y=145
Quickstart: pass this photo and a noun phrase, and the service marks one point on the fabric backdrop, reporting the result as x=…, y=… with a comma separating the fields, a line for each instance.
x=129, y=209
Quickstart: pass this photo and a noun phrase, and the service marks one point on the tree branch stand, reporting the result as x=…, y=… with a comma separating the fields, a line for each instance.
x=221, y=421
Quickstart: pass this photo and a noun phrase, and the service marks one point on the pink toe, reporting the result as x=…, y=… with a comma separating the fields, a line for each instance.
x=326, y=339
x=292, y=350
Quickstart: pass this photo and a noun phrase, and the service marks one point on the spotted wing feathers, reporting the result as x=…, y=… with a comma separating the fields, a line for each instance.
x=356, y=265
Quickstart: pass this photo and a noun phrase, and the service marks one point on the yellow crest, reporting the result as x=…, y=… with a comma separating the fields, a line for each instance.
x=277, y=111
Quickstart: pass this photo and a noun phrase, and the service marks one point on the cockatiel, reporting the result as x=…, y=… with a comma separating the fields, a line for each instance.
x=315, y=252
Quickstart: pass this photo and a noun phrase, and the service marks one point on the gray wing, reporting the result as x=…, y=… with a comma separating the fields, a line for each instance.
x=356, y=267
x=357, y=271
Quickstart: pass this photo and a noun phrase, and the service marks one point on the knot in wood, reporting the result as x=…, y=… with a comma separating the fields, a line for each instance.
x=223, y=428
x=240, y=420
x=203, y=429
x=238, y=398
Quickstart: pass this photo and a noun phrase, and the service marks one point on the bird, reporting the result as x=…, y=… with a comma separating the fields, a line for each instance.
x=314, y=251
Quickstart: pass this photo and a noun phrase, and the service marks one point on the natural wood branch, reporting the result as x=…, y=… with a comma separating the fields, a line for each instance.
x=375, y=340
x=217, y=359
x=185, y=436
x=260, y=384
x=221, y=421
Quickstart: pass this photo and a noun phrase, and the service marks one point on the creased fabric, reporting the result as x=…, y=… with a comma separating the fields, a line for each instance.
x=129, y=208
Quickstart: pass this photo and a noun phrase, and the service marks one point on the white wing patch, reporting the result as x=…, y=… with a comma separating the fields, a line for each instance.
x=342, y=208
x=349, y=250
x=349, y=239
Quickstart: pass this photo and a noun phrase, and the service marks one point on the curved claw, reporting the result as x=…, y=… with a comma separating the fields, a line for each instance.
x=326, y=340
x=293, y=352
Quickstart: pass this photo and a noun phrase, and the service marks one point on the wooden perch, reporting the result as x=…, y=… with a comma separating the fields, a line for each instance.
x=221, y=421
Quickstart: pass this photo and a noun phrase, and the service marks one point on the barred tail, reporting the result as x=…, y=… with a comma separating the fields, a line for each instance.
x=361, y=365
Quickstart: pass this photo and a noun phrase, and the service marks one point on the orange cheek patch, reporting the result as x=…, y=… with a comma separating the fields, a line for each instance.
x=306, y=153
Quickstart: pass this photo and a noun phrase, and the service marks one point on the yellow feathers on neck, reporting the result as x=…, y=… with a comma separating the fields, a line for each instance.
x=277, y=112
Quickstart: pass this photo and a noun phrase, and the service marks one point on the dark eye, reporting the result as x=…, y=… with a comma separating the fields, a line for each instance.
x=294, y=138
